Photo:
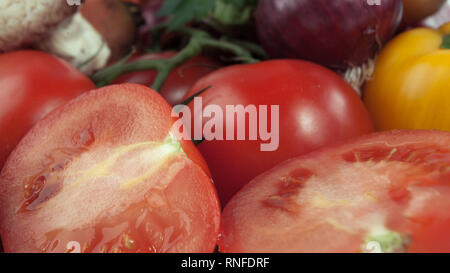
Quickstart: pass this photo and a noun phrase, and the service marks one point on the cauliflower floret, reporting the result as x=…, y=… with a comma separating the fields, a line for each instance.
x=27, y=21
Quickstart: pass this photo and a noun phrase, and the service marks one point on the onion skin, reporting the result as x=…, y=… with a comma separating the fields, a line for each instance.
x=337, y=34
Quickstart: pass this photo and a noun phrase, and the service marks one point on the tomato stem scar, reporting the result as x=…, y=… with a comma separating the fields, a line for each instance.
x=387, y=241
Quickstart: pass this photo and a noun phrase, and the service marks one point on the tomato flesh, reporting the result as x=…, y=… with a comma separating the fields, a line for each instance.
x=390, y=188
x=105, y=173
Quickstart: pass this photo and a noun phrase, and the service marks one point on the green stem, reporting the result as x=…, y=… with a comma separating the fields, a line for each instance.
x=239, y=51
x=107, y=75
x=191, y=50
x=199, y=39
x=446, y=42
x=251, y=47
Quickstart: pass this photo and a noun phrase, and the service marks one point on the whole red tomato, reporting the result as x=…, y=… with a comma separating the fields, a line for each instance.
x=179, y=80
x=32, y=84
x=316, y=108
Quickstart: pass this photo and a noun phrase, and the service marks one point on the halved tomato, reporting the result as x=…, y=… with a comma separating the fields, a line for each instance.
x=386, y=192
x=104, y=174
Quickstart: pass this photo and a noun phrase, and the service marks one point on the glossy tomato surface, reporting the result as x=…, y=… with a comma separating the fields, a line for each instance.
x=387, y=192
x=104, y=174
x=179, y=80
x=32, y=84
x=316, y=108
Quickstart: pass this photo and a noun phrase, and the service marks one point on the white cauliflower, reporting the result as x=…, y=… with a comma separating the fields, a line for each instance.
x=26, y=22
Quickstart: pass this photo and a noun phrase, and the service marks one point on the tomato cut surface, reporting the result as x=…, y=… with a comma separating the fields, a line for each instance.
x=387, y=192
x=104, y=174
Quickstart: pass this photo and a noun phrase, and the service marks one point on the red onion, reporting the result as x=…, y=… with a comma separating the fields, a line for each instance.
x=336, y=33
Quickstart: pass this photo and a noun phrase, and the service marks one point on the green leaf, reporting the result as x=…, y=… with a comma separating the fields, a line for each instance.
x=169, y=7
x=241, y=3
x=183, y=11
x=446, y=42
x=234, y=12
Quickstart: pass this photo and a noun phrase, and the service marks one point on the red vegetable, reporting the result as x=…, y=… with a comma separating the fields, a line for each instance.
x=316, y=108
x=385, y=192
x=179, y=80
x=104, y=173
x=33, y=83
x=337, y=34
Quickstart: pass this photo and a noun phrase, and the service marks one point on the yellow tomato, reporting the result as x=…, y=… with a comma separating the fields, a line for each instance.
x=410, y=88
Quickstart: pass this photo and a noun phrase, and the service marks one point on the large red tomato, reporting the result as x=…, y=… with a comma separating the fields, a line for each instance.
x=316, y=108
x=33, y=83
x=387, y=192
x=103, y=173
x=179, y=80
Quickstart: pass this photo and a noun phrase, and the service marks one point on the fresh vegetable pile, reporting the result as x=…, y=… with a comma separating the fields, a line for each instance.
x=225, y=125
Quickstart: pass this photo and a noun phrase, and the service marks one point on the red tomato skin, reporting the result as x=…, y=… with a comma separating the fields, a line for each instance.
x=316, y=108
x=179, y=80
x=115, y=115
x=32, y=84
x=249, y=223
